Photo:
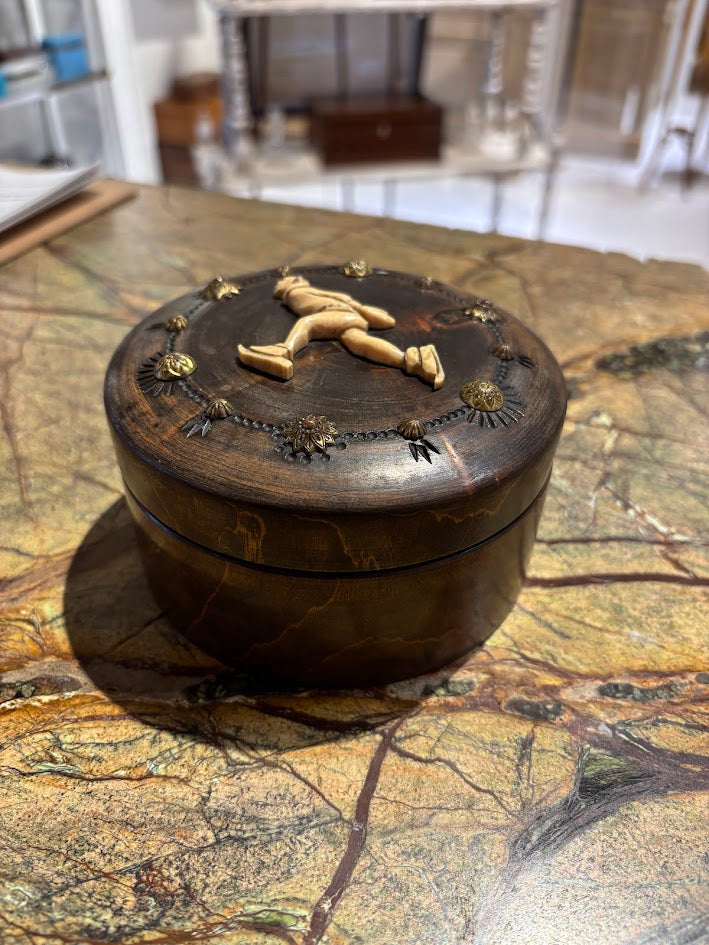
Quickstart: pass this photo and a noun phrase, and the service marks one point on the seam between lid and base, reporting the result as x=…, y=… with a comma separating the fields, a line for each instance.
x=339, y=575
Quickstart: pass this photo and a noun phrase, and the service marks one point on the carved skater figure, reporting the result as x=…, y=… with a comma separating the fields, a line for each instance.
x=325, y=314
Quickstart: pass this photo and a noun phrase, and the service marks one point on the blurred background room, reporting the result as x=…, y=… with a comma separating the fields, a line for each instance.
x=574, y=121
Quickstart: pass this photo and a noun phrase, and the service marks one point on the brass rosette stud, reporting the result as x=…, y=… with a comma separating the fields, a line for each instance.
x=357, y=269
x=425, y=282
x=482, y=395
x=173, y=366
x=177, y=323
x=219, y=288
x=219, y=409
x=284, y=271
x=310, y=434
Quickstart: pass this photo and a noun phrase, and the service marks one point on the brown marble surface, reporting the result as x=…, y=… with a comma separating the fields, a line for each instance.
x=550, y=789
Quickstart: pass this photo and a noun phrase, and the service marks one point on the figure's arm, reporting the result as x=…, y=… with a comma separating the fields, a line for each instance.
x=304, y=299
x=324, y=325
x=376, y=317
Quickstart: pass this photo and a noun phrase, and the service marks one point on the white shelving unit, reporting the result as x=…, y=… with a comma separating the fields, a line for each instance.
x=49, y=99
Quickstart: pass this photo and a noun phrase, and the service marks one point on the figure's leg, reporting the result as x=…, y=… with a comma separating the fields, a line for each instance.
x=422, y=362
x=364, y=345
x=329, y=324
x=277, y=359
x=298, y=337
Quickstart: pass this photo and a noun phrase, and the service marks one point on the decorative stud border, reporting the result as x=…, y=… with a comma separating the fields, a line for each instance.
x=304, y=438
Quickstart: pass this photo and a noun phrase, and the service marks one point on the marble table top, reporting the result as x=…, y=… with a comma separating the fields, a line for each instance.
x=549, y=789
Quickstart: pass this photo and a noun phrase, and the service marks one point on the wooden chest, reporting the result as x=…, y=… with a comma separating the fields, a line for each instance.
x=395, y=128
x=177, y=120
x=336, y=473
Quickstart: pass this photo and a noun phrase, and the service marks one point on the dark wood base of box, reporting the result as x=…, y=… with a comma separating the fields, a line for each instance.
x=336, y=630
x=177, y=165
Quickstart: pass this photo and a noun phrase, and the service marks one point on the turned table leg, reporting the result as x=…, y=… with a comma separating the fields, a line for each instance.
x=238, y=141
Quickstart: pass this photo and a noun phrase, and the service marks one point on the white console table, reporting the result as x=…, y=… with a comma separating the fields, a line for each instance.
x=538, y=105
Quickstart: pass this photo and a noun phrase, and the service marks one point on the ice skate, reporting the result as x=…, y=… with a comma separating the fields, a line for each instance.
x=276, y=360
x=424, y=362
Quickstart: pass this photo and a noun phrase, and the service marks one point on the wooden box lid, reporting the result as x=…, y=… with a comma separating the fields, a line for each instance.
x=405, y=108
x=350, y=465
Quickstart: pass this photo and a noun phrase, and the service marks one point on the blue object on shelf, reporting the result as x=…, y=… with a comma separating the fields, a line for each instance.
x=3, y=86
x=68, y=56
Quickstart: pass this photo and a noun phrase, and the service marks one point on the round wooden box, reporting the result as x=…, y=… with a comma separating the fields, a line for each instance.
x=336, y=473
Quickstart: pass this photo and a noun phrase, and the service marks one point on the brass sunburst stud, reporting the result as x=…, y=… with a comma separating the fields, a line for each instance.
x=219, y=409
x=215, y=410
x=284, y=271
x=357, y=269
x=482, y=395
x=171, y=367
x=414, y=430
x=504, y=352
x=411, y=428
x=219, y=288
x=177, y=323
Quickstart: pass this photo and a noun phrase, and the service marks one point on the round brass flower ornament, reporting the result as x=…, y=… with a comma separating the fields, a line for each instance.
x=482, y=395
x=171, y=367
x=308, y=434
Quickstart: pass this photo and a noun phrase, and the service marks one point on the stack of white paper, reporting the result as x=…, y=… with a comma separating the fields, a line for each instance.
x=25, y=192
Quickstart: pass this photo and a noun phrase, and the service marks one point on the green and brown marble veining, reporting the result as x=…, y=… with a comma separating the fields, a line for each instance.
x=549, y=789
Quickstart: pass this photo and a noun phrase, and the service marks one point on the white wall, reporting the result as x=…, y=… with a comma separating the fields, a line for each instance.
x=161, y=58
x=143, y=62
